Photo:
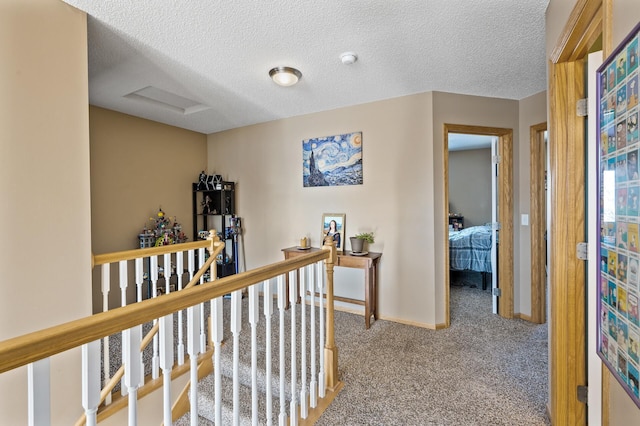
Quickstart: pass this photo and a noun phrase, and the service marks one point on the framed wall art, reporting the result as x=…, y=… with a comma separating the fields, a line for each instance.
x=332, y=160
x=619, y=215
x=333, y=226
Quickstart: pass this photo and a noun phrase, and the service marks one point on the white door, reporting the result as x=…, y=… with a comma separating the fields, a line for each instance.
x=494, y=221
x=594, y=365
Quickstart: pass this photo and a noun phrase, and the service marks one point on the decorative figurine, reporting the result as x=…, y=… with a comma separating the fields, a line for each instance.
x=202, y=181
x=207, y=205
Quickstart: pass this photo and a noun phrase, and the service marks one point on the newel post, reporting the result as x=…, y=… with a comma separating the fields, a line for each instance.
x=215, y=240
x=330, y=349
x=213, y=273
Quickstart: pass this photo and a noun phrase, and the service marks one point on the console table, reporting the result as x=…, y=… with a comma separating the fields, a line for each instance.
x=368, y=262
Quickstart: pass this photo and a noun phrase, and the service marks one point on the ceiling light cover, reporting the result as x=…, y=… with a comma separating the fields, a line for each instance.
x=285, y=76
x=348, y=58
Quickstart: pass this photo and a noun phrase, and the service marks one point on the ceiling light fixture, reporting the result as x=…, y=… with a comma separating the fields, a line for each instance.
x=285, y=76
x=348, y=58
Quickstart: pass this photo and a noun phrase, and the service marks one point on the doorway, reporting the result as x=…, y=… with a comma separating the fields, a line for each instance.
x=473, y=192
x=538, y=211
x=505, y=212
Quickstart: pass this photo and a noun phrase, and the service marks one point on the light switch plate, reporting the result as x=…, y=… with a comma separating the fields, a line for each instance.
x=524, y=219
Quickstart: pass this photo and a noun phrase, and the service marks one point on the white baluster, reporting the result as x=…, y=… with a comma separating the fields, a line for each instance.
x=122, y=279
x=282, y=295
x=193, y=347
x=166, y=363
x=180, y=272
x=153, y=273
x=91, y=381
x=139, y=272
x=139, y=277
x=321, y=378
x=303, y=345
x=217, y=336
x=123, y=282
x=201, y=262
x=313, y=387
x=167, y=273
x=131, y=339
x=39, y=388
x=106, y=286
x=155, y=359
x=293, y=296
x=191, y=262
x=203, y=335
x=236, y=327
x=268, y=312
x=254, y=313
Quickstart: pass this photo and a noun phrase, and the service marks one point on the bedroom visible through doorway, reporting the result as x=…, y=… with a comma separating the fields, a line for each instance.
x=504, y=259
x=472, y=214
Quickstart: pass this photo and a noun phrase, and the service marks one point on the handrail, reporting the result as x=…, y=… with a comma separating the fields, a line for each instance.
x=31, y=347
x=100, y=259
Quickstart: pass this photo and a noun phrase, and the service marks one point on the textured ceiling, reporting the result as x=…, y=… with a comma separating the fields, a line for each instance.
x=463, y=142
x=218, y=53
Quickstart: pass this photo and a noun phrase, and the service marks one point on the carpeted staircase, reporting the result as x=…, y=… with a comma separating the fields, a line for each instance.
x=206, y=404
x=206, y=394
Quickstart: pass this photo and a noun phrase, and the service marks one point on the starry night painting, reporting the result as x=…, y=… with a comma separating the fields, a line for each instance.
x=332, y=160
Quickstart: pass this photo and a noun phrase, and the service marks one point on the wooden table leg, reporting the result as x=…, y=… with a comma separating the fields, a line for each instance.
x=367, y=298
x=374, y=286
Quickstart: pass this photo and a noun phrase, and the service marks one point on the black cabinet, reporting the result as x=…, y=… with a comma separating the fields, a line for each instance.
x=216, y=209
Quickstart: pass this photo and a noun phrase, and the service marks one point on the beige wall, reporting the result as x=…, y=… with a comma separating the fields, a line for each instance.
x=470, y=185
x=395, y=200
x=532, y=111
x=137, y=166
x=626, y=15
x=45, y=252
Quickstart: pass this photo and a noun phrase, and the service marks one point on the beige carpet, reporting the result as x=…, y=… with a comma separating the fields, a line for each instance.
x=483, y=370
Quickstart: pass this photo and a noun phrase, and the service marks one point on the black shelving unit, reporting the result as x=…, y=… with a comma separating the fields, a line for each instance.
x=213, y=209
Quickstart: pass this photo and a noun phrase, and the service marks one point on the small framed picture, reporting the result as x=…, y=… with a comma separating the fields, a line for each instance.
x=333, y=226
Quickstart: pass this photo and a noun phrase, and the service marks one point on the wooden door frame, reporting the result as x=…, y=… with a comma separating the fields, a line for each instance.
x=567, y=176
x=538, y=223
x=505, y=212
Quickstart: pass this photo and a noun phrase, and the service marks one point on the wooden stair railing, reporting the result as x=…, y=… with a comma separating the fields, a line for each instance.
x=212, y=244
x=40, y=345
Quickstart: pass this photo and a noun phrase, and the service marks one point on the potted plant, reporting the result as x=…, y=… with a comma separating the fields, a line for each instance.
x=357, y=242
